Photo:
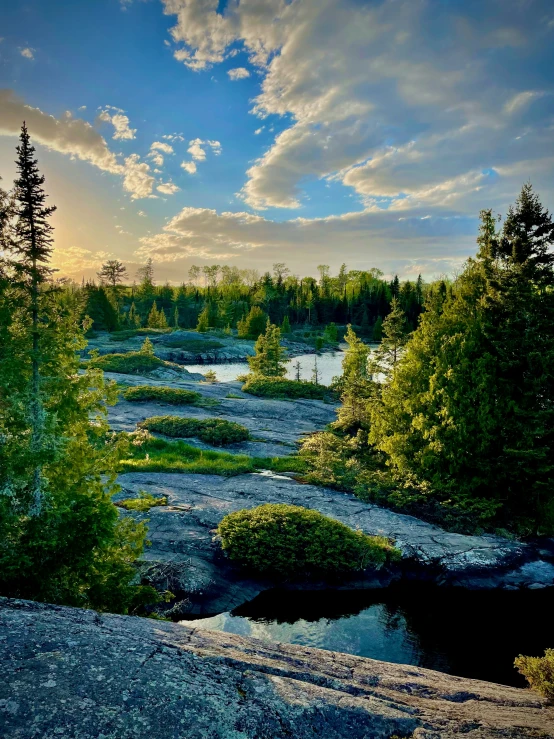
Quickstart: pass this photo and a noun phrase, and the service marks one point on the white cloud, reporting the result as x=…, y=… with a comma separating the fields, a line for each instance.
x=371, y=237
x=66, y=135
x=73, y=260
x=189, y=167
x=196, y=151
x=161, y=146
x=259, y=130
x=137, y=179
x=141, y=213
x=240, y=73
x=157, y=159
x=168, y=188
x=119, y=121
x=28, y=53
x=385, y=83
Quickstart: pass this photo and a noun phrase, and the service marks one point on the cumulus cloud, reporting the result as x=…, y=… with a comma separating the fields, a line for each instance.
x=372, y=93
x=168, y=188
x=189, y=167
x=28, y=53
x=119, y=121
x=371, y=237
x=74, y=260
x=66, y=135
x=161, y=146
x=240, y=73
x=196, y=151
x=138, y=180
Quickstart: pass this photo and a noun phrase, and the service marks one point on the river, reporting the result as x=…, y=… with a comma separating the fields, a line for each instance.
x=329, y=365
x=465, y=633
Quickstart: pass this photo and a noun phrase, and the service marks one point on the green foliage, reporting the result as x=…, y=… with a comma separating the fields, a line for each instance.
x=268, y=360
x=203, y=320
x=100, y=309
x=215, y=431
x=132, y=363
x=277, y=387
x=169, y=395
x=355, y=385
x=331, y=334
x=146, y=453
x=156, y=318
x=147, y=348
x=377, y=330
x=252, y=325
x=469, y=409
x=289, y=541
x=210, y=376
x=539, y=673
x=143, y=503
x=61, y=540
x=285, y=326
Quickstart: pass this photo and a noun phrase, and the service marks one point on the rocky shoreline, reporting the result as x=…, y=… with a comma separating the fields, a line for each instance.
x=184, y=558
x=74, y=673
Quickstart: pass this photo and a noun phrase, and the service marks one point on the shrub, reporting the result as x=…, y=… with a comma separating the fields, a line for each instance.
x=143, y=503
x=210, y=376
x=286, y=541
x=216, y=431
x=132, y=363
x=539, y=673
x=277, y=387
x=168, y=395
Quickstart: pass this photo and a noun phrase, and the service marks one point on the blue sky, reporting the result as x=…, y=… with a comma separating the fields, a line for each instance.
x=260, y=131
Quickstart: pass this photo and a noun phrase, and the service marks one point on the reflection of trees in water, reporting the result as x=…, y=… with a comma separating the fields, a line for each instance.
x=471, y=634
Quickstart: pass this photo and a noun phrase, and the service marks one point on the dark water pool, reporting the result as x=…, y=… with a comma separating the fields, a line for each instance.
x=470, y=634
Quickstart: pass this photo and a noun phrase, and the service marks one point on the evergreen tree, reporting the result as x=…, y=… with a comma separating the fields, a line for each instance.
x=469, y=410
x=395, y=335
x=355, y=384
x=176, y=318
x=377, y=331
x=32, y=249
x=133, y=318
x=112, y=273
x=203, y=320
x=252, y=325
x=268, y=360
x=285, y=326
x=147, y=347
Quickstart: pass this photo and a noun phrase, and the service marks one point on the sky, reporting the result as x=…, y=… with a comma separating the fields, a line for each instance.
x=249, y=132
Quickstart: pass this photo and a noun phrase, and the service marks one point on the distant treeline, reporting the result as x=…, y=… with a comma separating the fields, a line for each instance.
x=223, y=298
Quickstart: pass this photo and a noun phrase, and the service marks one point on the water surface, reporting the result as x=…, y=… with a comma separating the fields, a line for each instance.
x=465, y=633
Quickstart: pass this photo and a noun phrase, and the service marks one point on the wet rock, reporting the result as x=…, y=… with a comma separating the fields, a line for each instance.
x=69, y=672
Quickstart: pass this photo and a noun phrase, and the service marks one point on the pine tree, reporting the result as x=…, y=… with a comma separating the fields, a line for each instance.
x=176, y=318
x=377, y=331
x=112, y=273
x=32, y=249
x=285, y=326
x=147, y=347
x=253, y=325
x=395, y=334
x=355, y=384
x=268, y=360
x=203, y=320
x=133, y=318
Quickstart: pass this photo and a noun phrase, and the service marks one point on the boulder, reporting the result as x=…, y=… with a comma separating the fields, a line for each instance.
x=73, y=673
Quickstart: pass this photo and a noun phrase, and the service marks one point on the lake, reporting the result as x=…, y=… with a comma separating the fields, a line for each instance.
x=329, y=365
x=472, y=634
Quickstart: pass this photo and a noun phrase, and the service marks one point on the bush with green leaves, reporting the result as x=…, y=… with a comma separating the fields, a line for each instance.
x=169, y=395
x=143, y=503
x=132, y=363
x=289, y=541
x=539, y=673
x=279, y=387
x=215, y=431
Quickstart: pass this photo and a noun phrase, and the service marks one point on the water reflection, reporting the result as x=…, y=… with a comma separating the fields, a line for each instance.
x=471, y=634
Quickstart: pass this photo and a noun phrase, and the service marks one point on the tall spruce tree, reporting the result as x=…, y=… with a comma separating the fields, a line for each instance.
x=268, y=360
x=32, y=249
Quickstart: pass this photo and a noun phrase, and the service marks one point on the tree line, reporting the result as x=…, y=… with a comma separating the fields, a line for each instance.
x=228, y=298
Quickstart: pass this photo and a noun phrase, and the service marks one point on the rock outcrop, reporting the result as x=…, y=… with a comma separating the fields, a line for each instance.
x=73, y=673
x=183, y=549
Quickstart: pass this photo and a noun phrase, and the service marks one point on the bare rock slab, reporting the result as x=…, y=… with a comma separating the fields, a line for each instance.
x=73, y=673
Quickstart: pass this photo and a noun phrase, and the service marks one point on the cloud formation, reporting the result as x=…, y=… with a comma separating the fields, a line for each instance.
x=119, y=121
x=240, y=73
x=375, y=98
x=28, y=53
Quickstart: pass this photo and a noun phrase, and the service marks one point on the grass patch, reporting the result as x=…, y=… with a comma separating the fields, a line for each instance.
x=234, y=396
x=169, y=395
x=215, y=431
x=143, y=503
x=161, y=455
x=288, y=541
x=277, y=387
x=132, y=332
x=132, y=363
